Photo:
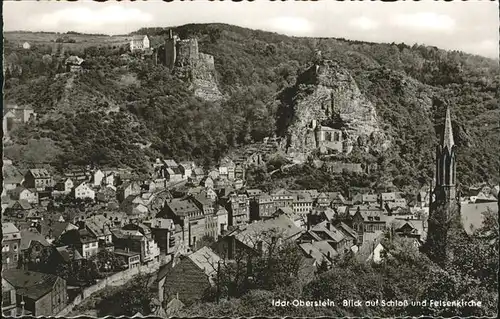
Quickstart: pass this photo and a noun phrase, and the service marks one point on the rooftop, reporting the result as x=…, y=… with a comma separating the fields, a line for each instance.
x=29, y=283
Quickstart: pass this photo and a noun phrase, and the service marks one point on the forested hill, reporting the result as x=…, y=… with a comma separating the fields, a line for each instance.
x=125, y=109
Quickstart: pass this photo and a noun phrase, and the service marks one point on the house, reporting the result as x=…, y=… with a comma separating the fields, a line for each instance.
x=132, y=259
x=82, y=240
x=190, y=218
x=207, y=182
x=11, y=243
x=186, y=169
x=40, y=294
x=239, y=172
x=83, y=191
x=369, y=199
x=368, y=220
x=191, y=276
x=99, y=227
x=227, y=169
x=262, y=206
x=323, y=200
x=252, y=193
x=24, y=194
x=12, y=178
x=127, y=189
x=173, y=174
x=222, y=219
x=35, y=249
x=9, y=303
x=74, y=64
x=256, y=238
x=109, y=179
x=97, y=177
x=388, y=197
x=325, y=231
x=302, y=203
x=15, y=115
x=162, y=230
x=65, y=186
x=410, y=228
x=38, y=178
x=139, y=43
x=52, y=230
x=137, y=238
x=320, y=251
x=214, y=174
x=238, y=208
x=282, y=198
x=197, y=174
x=238, y=184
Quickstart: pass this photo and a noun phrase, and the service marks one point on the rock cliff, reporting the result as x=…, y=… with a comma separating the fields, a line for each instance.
x=199, y=70
x=326, y=96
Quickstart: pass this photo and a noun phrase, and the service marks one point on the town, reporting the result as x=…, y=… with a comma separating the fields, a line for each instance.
x=67, y=236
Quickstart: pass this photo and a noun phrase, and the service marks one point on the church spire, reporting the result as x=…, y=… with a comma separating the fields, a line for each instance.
x=448, y=132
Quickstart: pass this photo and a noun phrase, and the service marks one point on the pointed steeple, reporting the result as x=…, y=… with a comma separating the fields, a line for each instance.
x=448, y=132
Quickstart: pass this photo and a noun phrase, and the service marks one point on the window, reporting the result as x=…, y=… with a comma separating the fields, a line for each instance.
x=15, y=257
x=15, y=247
x=5, y=248
x=6, y=298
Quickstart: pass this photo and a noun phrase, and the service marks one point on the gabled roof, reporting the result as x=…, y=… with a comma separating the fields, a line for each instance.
x=347, y=230
x=39, y=173
x=68, y=253
x=206, y=260
x=330, y=231
x=369, y=198
x=23, y=204
x=279, y=226
x=29, y=283
x=181, y=207
x=388, y=196
x=9, y=228
x=28, y=236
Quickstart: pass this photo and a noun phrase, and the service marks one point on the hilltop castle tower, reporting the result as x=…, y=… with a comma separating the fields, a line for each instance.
x=446, y=204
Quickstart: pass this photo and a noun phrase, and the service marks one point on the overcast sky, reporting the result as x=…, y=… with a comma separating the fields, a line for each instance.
x=470, y=26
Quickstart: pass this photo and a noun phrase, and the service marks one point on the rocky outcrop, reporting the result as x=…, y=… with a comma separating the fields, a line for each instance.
x=197, y=68
x=327, y=95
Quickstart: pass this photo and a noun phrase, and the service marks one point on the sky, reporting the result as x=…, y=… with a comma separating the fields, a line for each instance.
x=470, y=26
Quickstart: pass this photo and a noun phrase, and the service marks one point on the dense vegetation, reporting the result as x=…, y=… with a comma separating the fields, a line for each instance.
x=404, y=274
x=158, y=114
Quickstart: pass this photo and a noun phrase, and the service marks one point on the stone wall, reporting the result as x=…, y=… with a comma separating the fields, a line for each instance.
x=117, y=279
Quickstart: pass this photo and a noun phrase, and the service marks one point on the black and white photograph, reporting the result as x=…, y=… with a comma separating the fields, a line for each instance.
x=250, y=158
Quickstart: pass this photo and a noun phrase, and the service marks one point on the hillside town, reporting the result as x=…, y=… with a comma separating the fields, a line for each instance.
x=64, y=233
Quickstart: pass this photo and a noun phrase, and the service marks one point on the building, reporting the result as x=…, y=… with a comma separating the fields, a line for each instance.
x=162, y=230
x=187, y=169
x=74, y=64
x=368, y=220
x=24, y=194
x=97, y=177
x=131, y=259
x=139, y=43
x=186, y=214
x=37, y=293
x=207, y=182
x=128, y=189
x=445, y=207
x=38, y=178
x=11, y=245
x=83, y=191
x=82, y=240
x=238, y=208
x=282, y=198
x=262, y=206
x=9, y=302
x=137, y=237
x=227, y=169
x=35, y=249
x=327, y=139
x=256, y=238
x=302, y=203
x=190, y=277
x=16, y=115
x=99, y=227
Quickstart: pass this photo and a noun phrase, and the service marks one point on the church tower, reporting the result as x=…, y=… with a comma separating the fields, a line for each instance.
x=444, y=208
x=446, y=162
